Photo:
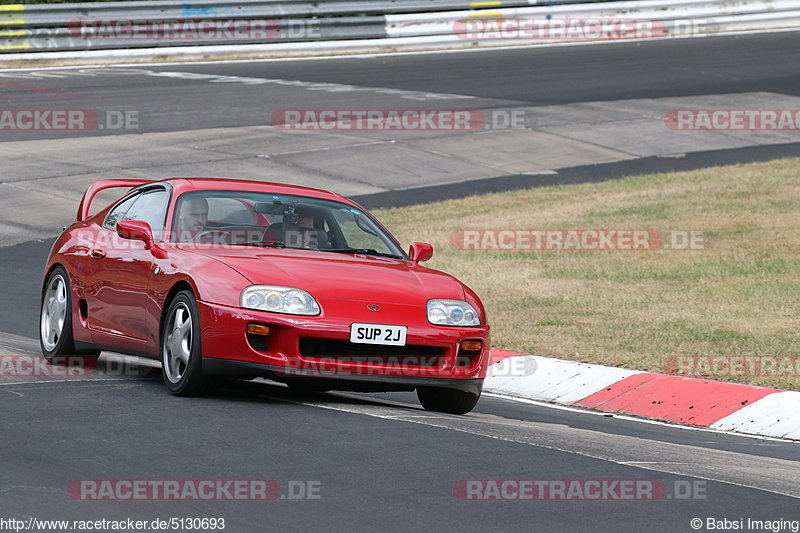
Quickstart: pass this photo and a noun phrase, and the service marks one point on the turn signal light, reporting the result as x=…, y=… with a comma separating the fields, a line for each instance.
x=471, y=346
x=257, y=329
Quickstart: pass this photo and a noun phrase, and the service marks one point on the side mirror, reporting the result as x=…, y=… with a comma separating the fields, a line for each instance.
x=420, y=251
x=136, y=230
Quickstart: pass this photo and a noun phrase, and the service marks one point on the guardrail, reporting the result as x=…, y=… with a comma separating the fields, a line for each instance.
x=668, y=18
x=225, y=26
x=102, y=25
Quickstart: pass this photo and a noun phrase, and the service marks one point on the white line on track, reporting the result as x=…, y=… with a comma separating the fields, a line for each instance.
x=769, y=474
x=751, y=471
x=242, y=80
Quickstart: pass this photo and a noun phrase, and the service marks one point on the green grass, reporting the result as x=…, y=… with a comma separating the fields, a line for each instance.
x=738, y=295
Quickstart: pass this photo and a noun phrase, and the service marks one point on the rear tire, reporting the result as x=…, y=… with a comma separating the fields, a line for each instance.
x=452, y=401
x=181, y=351
x=55, y=320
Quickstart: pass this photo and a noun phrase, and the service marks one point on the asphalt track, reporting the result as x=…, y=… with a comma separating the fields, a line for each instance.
x=540, y=77
x=587, y=113
x=382, y=464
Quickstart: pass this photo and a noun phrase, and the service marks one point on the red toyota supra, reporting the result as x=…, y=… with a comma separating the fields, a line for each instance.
x=247, y=279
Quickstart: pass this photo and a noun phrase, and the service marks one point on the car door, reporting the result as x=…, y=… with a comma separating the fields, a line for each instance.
x=116, y=309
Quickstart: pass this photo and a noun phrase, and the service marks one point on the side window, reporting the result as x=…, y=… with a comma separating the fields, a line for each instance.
x=118, y=213
x=150, y=207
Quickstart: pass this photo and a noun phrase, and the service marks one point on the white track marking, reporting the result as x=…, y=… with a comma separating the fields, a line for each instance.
x=632, y=418
x=777, y=476
x=243, y=80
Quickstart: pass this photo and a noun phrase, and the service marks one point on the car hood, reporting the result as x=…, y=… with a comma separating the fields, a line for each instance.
x=335, y=276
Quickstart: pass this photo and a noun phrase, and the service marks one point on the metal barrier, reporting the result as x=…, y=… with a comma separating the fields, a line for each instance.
x=225, y=26
x=667, y=18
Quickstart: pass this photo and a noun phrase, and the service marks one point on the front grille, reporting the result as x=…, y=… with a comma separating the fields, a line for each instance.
x=346, y=351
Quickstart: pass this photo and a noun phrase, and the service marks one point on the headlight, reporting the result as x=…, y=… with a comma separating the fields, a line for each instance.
x=452, y=313
x=279, y=300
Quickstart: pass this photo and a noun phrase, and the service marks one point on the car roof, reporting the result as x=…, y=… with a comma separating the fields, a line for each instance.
x=182, y=185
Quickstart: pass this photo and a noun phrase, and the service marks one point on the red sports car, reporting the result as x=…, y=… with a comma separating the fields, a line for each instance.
x=248, y=279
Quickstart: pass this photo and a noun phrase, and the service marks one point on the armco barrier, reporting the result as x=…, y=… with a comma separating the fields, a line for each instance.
x=706, y=16
x=252, y=28
x=38, y=27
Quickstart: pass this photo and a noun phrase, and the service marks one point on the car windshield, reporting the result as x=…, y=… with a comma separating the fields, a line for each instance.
x=240, y=218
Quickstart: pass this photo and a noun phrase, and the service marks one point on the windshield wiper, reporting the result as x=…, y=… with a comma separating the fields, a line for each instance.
x=362, y=251
x=265, y=244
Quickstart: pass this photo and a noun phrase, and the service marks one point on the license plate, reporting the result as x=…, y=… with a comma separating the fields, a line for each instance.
x=378, y=334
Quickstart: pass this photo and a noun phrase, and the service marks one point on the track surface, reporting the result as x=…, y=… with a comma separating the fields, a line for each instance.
x=540, y=77
x=582, y=113
x=380, y=466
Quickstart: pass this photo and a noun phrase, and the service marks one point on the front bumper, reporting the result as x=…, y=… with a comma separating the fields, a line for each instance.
x=227, y=349
x=335, y=380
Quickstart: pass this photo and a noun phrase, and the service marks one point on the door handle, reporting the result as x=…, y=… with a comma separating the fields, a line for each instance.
x=97, y=254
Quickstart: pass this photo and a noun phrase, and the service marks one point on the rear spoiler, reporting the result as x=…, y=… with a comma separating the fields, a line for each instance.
x=96, y=187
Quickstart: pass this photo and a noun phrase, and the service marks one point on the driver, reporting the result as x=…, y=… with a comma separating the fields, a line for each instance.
x=301, y=231
x=192, y=218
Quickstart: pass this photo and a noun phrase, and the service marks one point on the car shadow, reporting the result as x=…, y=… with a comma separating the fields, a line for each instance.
x=259, y=390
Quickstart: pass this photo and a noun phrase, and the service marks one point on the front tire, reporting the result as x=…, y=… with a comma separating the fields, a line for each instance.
x=452, y=401
x=55, y=320
x=181, y=353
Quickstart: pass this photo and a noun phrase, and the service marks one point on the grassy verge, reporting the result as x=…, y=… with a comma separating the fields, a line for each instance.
x=737, y=296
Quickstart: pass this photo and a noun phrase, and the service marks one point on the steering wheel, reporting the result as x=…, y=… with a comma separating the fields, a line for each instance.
x=215, y=235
